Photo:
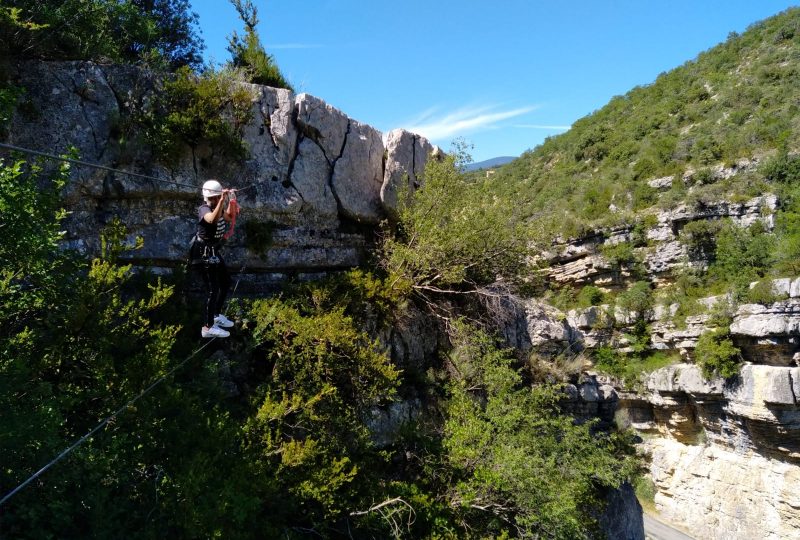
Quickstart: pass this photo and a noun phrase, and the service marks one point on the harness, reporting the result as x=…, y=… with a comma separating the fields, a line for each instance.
x=202, y=252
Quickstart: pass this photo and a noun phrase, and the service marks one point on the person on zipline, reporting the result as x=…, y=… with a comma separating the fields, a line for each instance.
x=213, y=216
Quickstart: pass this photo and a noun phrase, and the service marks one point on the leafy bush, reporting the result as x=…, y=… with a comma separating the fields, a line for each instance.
x=717, y=355
x=742, y=255
x=621, y=256
x=309, y=438
x=700, y=238
x=210, y=109
x=783, y=169
x=763, y=293
x=74, y=347
x=590, y=295
x=637, y=301
x=455, y=235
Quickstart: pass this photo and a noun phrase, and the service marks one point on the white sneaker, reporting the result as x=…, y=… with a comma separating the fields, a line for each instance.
x=214, y=332
x=223, y=322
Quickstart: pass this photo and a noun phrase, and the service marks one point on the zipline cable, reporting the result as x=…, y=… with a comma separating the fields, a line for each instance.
x=105, y=168
x=83, y=439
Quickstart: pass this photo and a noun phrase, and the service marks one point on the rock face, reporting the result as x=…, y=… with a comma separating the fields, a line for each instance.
x=725, y=455
x=406, y=155
x=318, y=181
x=581, y=262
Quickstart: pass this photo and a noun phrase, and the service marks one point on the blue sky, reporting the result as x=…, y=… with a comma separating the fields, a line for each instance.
x=501, y=74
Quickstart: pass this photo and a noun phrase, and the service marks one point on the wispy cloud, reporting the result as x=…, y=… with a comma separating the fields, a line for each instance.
x=293, y=46
x=463, y=121
x=542, y=126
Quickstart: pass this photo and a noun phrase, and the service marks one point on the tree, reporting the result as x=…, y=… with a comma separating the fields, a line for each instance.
x=455, y=235
x=247, y=52
x=308, y=439
x=519, y=465
x=161, y=32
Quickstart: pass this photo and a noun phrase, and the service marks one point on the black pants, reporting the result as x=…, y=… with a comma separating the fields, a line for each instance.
x=217, y=281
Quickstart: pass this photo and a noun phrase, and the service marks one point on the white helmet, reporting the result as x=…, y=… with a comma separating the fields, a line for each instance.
x=211, y=188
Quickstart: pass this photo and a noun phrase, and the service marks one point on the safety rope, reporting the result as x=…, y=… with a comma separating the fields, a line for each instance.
x=106, y=168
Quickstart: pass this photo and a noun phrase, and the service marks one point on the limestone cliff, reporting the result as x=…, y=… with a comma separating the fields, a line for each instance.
x=318, y=181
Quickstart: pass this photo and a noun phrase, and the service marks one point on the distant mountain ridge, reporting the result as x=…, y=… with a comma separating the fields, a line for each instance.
x=489, y=163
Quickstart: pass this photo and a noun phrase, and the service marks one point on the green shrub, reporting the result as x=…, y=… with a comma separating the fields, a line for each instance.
x=645, y=490
x=700, y=238
x=9, y=94
x=608, y=360
x=717, y=355
x=742, y=255
x=192, y=110
x=637, y=300
x=455, y=235
x=783, y=169
x=620, y=255
x=631, y=368
x=510, y=449
x=160, y=32
x=590, y=295
x=763, y=292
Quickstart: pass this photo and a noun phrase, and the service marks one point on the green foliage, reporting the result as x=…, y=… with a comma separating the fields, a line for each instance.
x=637, y=301
x=763, y=293
x=207, y=110
x=742, y=255
x=160, y=32
x=631, y=368
x=9, y=94
x=716, y=354
x=782, y=169
x=73, y=348
x=621, y=256
x=520, y=466
x=700, y=238
x=455, y=234
x=248, y=53
x=308, y=437
x=786, y=252
x=590, y=295
x=646, y=491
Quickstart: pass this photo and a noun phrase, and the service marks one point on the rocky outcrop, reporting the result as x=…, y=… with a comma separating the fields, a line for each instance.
x=581, y=261
x=317, y=181
x=724, y=455
x=406, y=155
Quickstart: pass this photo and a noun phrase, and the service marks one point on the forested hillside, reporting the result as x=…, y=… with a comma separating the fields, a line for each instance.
x=738, y=100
